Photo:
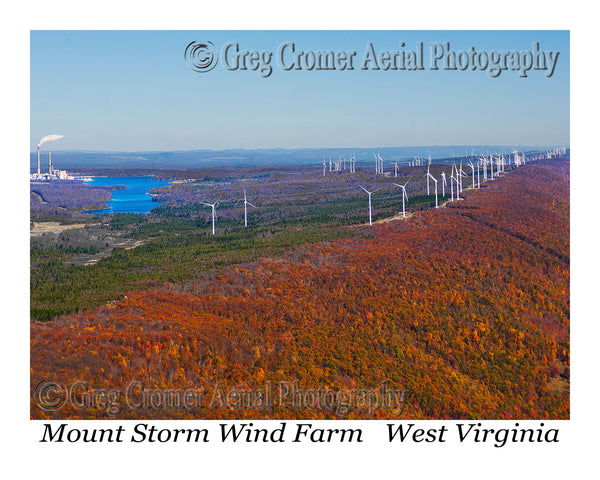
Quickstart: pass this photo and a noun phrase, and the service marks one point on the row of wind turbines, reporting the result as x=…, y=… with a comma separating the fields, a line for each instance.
x=504, y=156
x=495, y=163
x=340, y=164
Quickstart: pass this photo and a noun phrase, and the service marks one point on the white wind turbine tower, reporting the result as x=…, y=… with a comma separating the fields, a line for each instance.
x=478, y=181
x=492, y=167
x=396, y=169
x=444, y=183
x=458, y=182
x=404, y=196
x=452, y=184
x=369, y=193
x=461, y=174
x=378, y=163
x=214, y=213
x=246, y=203
x=473, y=173
x=429, y=175
x=483, y=162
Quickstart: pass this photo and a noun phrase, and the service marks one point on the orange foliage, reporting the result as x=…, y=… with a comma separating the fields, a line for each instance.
x=466, y=307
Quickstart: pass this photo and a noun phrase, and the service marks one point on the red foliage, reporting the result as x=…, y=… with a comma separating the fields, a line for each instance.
x=466, y=307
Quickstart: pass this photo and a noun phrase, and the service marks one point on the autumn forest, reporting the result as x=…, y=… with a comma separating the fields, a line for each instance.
x=465, y=308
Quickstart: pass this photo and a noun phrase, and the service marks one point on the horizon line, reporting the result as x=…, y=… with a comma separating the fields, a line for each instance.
x=299, y=148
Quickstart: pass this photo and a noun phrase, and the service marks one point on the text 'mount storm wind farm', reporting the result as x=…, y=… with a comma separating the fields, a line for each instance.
x=387, y=242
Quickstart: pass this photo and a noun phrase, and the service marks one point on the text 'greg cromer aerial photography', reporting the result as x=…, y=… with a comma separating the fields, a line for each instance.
x=299, y=225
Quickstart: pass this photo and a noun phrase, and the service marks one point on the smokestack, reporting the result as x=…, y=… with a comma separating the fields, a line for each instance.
x=47, y=138
x=49, y=162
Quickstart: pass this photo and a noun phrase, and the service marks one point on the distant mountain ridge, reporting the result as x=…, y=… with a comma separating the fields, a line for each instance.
x=254, y=157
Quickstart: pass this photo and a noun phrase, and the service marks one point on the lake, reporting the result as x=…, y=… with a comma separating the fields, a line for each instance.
x=134, y=199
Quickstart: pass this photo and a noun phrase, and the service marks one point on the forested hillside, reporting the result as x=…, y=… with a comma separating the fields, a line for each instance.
x=465, y=307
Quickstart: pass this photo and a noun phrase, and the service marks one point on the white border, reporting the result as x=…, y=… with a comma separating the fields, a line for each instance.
x=25, y=455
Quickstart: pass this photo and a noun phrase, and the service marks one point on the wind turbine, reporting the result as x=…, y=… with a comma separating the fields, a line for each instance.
x=483, y=162
x=404, y=196
x=246, y=203
x=457, y=179
x=457, y=185
x=473, y=174
x=214, y=213
x=369, y=193
x=461, y=174
x=429, y=175
x=444, y=183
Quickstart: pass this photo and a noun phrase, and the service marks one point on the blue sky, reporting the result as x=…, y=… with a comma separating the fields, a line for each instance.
x=133, y=91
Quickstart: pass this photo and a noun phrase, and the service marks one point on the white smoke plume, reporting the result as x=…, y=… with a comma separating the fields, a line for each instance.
x=49, y=138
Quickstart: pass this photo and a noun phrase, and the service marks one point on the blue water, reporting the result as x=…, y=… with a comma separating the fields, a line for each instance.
x=135, y=199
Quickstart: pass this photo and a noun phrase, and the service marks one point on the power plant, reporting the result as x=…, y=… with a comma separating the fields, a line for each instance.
x=52, y=174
